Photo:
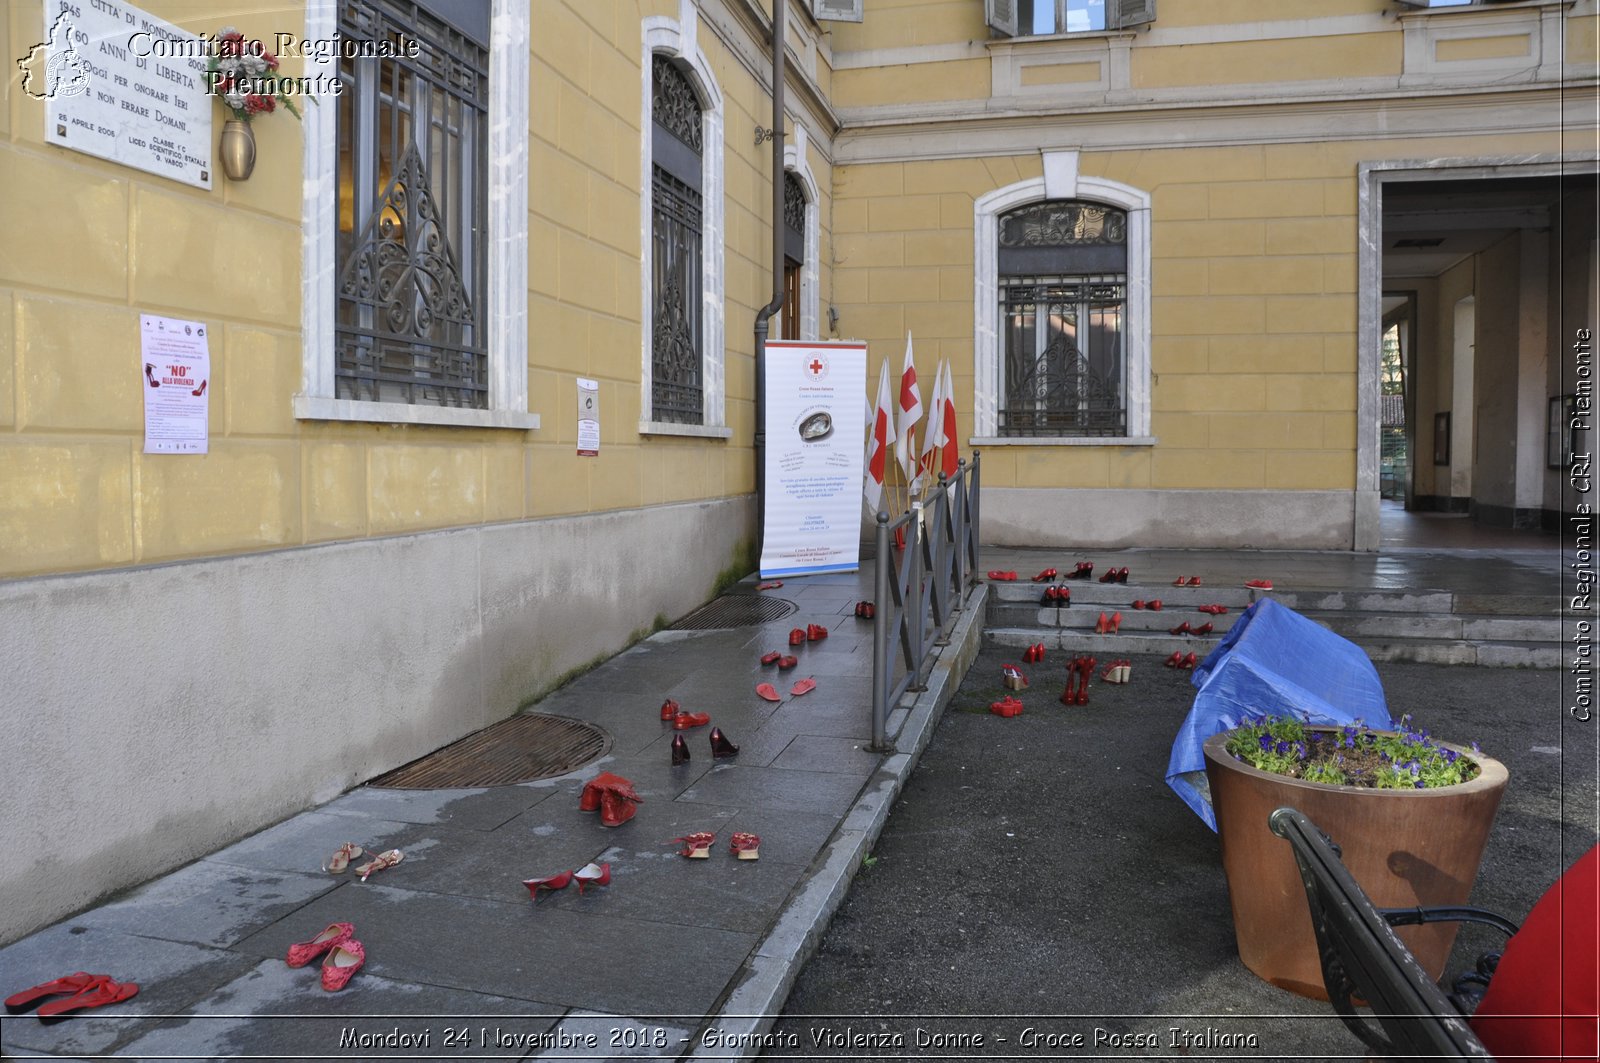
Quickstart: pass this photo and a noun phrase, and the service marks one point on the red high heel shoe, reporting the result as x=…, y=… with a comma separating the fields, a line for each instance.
x=669, y=708
x=866, y=610
x=1108, y=576
x=1181, y=629
x=1049, y=597
x=1069, y=696
x=720, y=746
x=745, y=846
x=1176, y=660
x=1033, y=654
x=1100, y=625
x=1122, y=574
x=1188, y=662
x=696, y=846
x=1012, y=672
x=687, y=721
x=1138, y=603
x=1154, y=605
x=680, y=750
x=1114, y=625
x=558, y=881
x=1181, y=581
x=1084, y=570
x=1204, y=629
x=592, y=874
x=1214, y=610
x=1045, y=576
x=1007, y=706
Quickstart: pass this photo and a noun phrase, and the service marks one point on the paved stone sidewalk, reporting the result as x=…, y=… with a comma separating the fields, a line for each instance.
x=459, y=961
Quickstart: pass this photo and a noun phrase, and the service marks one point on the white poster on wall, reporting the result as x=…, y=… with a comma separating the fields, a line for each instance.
x=588, y=418
x=121, y=84
x=176, y=377
x=815, y=423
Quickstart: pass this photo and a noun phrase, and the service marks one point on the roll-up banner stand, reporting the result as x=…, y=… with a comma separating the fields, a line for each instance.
x=816, y=430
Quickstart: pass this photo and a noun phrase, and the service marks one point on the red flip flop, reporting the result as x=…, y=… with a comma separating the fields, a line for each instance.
x=72, y=983
x=770, y=585
x=768, y=692
x=805, y=686
x=97, y=995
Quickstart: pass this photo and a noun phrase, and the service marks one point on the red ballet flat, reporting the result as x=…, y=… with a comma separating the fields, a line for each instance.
x=685, y=721
x=342, y=964
x=304, y=952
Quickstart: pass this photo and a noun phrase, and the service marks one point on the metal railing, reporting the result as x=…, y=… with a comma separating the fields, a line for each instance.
x=927, y=564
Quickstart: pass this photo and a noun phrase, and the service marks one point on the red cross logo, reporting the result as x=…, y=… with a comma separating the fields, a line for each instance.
x=815, y=367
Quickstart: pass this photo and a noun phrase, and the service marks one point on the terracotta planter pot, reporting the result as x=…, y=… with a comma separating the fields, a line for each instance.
x=1405, y=848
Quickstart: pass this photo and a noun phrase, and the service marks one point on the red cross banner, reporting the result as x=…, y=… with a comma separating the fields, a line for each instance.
x=815, y=423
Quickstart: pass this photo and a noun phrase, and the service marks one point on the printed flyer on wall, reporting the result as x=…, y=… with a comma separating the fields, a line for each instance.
x=176, y=362
x=815, y=424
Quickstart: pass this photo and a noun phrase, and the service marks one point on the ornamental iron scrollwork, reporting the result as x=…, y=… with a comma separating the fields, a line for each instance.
x=676, y=380
x=794, y=203
x=1063, y=223
x=674, y=105
x=1058, y=391
x=404, y=279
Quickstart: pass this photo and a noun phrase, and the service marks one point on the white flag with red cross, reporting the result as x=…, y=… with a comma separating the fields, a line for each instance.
x=880, y=437
x=909, y=413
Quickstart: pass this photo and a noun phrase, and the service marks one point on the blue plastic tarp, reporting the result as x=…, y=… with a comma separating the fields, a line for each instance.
x=1272, y=662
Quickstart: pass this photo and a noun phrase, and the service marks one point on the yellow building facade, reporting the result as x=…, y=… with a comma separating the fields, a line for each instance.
x=347, y=580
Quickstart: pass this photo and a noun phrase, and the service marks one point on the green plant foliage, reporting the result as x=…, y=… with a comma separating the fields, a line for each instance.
x=1356, y=755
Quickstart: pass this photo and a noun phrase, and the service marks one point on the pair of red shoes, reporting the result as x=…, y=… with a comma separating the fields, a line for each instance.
x=1007, y=706
x=1186, y=581
x=1045, y=576
x=1033, y=654
x=742, y=844
x=720, y=747
x=672, y=713
x=783, y=661
x=1203, y=630
x=1078, y=672
x=1214, y=610
x=590, y=874
x=810, y=633
x=1002, y=577
x=344, y=955
x=1108, y=625
x=1058, y=596
x=79, y=991
x=866, y=610
x=1083, y=570
x=1115, y=575
x=769, y=692
x=1179, y=659
x=612, y=796
x=1154, y=604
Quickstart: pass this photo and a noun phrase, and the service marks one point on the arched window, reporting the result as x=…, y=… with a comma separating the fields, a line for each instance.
x=677, y=296
x=1062, y=318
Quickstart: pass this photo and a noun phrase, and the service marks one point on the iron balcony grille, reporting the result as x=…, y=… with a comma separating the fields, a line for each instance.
x=412, y=267
x=1062, y=365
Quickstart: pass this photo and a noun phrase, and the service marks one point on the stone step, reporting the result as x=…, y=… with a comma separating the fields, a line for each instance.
x=1077, y=643
x=1122, y=596
x=1432, y=626
x=1107, y=595
x=1483, y=654
x=1085, y=617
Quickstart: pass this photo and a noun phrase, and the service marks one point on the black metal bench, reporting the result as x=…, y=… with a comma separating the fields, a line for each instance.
x=1362, y=956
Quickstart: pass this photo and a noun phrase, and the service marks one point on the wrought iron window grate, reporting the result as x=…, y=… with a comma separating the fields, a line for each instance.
x=1062, y=370
x=412, y=139
x=677, y=388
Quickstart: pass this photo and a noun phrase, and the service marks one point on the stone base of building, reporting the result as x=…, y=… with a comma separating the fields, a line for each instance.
x=158, y=713
x=1118, y=518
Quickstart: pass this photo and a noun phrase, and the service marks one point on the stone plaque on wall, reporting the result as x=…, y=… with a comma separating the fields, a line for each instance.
x=120, y=84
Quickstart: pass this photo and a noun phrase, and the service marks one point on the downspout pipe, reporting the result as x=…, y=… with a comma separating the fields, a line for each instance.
x=764, y=315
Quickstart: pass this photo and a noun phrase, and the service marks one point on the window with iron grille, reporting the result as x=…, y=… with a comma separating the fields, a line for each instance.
x=677, y=382
x=411, y=265
x=1063, y=306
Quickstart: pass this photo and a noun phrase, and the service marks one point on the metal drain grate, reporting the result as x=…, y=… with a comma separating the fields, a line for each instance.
x=521, y=749
x=735, y=610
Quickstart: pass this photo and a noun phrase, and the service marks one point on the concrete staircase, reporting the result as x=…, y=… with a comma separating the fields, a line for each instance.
x=1434, y=627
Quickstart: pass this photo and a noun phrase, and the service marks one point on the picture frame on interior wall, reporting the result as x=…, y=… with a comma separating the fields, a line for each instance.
x=1441, y=438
